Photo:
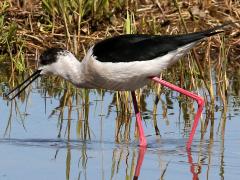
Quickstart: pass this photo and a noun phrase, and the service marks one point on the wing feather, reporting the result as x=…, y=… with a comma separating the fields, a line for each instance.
x=142, y=47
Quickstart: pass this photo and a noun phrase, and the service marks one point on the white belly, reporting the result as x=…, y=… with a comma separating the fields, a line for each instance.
x=120, y=83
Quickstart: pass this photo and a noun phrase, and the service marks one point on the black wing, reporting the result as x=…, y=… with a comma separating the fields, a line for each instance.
x=141, y=47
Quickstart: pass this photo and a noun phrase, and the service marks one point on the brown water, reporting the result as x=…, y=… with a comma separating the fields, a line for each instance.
x=40, y=139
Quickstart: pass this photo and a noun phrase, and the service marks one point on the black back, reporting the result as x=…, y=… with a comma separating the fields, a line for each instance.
x=141, y=47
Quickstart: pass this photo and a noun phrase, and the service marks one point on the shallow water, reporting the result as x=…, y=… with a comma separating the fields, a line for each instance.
x=37, y=144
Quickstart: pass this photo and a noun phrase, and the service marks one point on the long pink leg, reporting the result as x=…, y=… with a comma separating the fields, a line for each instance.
x=199, y=100
x=142, y=139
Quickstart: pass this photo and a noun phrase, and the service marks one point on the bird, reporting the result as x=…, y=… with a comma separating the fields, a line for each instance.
x=123, y=63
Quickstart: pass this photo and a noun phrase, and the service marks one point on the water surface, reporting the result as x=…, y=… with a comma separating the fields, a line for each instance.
x=40, y=139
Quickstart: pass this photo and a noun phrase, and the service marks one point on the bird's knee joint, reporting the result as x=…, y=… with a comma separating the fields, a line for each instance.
x=201, y=101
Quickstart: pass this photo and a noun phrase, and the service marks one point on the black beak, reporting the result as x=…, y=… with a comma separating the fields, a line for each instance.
x=23, y=85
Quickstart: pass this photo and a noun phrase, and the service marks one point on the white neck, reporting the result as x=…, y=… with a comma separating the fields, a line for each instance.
x=72, y=70
x=67, y=67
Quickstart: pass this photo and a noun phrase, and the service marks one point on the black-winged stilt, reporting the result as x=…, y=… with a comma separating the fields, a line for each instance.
x=123, y=63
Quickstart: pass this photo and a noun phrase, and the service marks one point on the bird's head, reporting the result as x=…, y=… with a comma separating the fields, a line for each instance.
x=54, y=61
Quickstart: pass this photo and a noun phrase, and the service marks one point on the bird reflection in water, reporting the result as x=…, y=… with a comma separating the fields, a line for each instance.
x=195, y=168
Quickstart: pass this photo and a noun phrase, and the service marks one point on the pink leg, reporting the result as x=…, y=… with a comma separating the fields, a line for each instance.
x=142, y=139
x=199, y=100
